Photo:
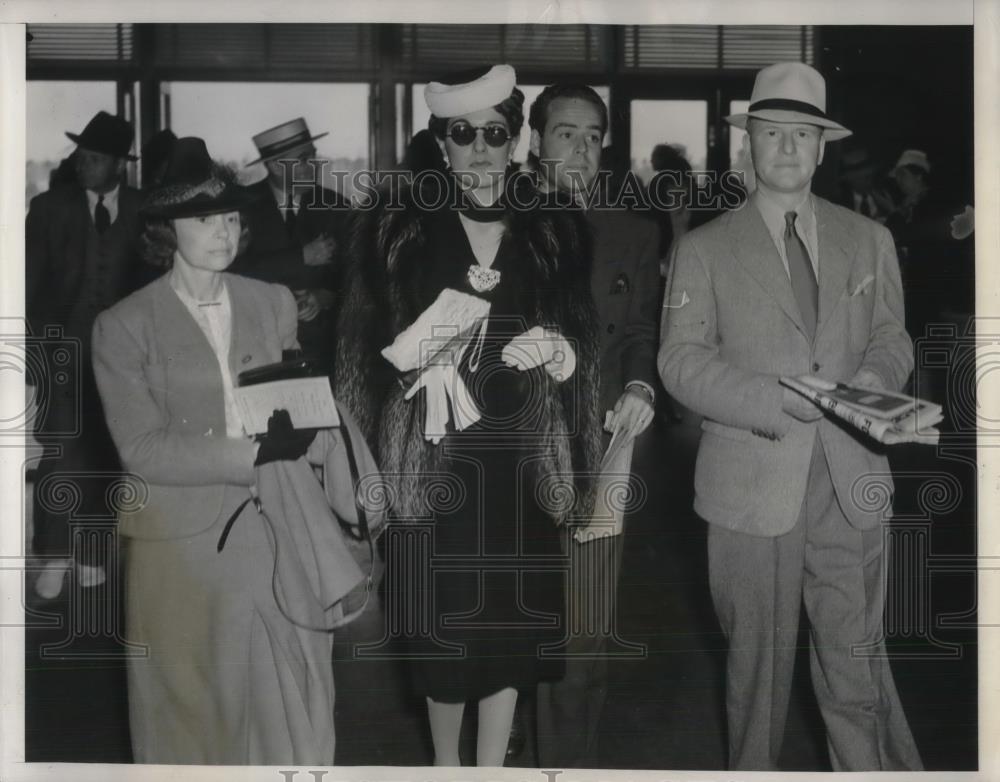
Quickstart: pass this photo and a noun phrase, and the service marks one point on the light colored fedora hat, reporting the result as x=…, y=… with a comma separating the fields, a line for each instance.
x=790, y=92
x=912, y=157
x=283, y=139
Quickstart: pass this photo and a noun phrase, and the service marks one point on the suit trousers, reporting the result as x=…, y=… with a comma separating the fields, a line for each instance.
x=83, y=465
x=569, y=710
x=758, y=585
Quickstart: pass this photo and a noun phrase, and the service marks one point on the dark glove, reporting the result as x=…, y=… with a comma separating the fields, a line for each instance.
x=283, y=442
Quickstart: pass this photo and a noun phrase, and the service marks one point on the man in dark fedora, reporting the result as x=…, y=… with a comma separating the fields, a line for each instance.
x=81, y=256
x=792, y=285
x=296, y=230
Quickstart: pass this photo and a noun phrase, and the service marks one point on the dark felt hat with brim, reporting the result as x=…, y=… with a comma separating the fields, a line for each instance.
x=107, y=134
x=194, y=185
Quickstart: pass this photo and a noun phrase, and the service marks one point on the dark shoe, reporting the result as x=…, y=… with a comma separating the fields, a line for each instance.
x=518, y=735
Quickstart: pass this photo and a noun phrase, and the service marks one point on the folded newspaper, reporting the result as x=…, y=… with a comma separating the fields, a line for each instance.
x=883, y=415
x=612, y=491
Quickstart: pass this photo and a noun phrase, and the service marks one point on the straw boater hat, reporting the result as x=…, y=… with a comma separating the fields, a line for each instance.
x=790, y=92
x=468, y=91
x=283, y=139
x=194, y=185
x=107, y=134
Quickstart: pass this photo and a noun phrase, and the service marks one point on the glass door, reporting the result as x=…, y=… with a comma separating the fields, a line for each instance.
x=682, y=124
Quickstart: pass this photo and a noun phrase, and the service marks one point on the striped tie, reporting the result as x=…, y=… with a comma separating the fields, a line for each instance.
x=802, y=275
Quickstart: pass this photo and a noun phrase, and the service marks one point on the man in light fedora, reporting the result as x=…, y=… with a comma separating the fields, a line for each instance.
x=296, y=229
x=792, y=285
x=81, y=256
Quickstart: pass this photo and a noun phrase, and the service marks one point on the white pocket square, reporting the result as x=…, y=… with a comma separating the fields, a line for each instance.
x=863, y=286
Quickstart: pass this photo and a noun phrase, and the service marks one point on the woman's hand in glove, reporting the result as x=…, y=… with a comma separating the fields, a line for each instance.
x=542, y=347
x=282, y=442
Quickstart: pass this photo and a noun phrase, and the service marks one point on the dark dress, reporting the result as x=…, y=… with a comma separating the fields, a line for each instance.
x=497, y=575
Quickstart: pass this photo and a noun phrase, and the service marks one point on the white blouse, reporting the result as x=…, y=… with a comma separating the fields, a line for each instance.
x=215, y=318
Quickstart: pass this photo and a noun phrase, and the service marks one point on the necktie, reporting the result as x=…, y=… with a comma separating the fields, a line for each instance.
x=802, y=275
x=290, y=219
x=102, y=217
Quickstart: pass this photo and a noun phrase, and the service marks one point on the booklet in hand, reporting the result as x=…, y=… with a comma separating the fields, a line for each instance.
x=296, y=385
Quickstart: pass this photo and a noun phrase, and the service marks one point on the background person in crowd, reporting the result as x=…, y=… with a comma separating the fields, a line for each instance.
x=539, y=420
x=424, y=154
x=81, y=251
x=229, y=677
x=791, y=285
x=858, y=189
x=155, y=157
x=933, y=263
x=568, y=123
x=297, y=229
x=674, y=187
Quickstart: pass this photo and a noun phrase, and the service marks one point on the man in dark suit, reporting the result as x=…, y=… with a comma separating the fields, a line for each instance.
x=81, y=256
x=568, y=123
x=792, y=285
x=296, y=231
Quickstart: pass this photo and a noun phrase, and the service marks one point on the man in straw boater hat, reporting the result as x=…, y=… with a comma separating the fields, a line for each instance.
x=792, y=285
x=296, y=228
x=81, y=253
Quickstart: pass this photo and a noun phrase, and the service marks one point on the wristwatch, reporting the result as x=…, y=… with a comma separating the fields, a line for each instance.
x=644, y=389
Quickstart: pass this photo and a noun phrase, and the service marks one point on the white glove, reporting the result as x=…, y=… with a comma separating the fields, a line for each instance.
x=446, y=395
x=540, y=347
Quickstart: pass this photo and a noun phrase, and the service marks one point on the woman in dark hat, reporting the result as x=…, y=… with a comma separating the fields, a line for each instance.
x=495, y=447
x=227, y=677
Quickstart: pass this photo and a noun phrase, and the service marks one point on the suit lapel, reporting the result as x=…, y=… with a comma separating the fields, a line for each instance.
x=180, y=333
x=836, y=255
x=754, y=248
x=246, y=348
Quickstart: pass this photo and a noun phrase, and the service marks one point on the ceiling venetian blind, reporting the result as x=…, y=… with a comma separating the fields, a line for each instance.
x=429, y=48
x=707, y=47
x=94, y=43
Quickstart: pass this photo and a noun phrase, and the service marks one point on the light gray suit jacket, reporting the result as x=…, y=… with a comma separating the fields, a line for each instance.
x=163, y=398
x=731, y=328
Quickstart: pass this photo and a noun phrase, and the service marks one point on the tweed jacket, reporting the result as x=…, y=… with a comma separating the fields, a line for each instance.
x=162, y=393
x=731, y=328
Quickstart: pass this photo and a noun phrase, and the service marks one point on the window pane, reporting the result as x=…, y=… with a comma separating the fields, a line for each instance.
x=52, y=108
x=531, y=91
x=680, y=123
x=228, y=114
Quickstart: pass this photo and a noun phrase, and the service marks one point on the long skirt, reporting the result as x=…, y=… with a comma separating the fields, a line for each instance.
x=225, y=677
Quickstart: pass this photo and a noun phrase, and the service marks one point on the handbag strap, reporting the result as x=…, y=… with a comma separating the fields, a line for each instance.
x=364, y=532
x=363, y=535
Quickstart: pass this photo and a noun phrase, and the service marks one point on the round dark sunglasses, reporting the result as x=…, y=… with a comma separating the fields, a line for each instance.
x=463, y=134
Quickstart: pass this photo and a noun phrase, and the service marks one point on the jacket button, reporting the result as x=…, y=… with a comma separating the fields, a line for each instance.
x=611, y=328
x=815, y=367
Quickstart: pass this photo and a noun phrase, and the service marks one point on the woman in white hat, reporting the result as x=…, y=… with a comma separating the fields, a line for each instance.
x=497, y=484
x=220, y=674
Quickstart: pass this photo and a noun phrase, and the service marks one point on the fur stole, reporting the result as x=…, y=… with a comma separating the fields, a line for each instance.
x=388, y=252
